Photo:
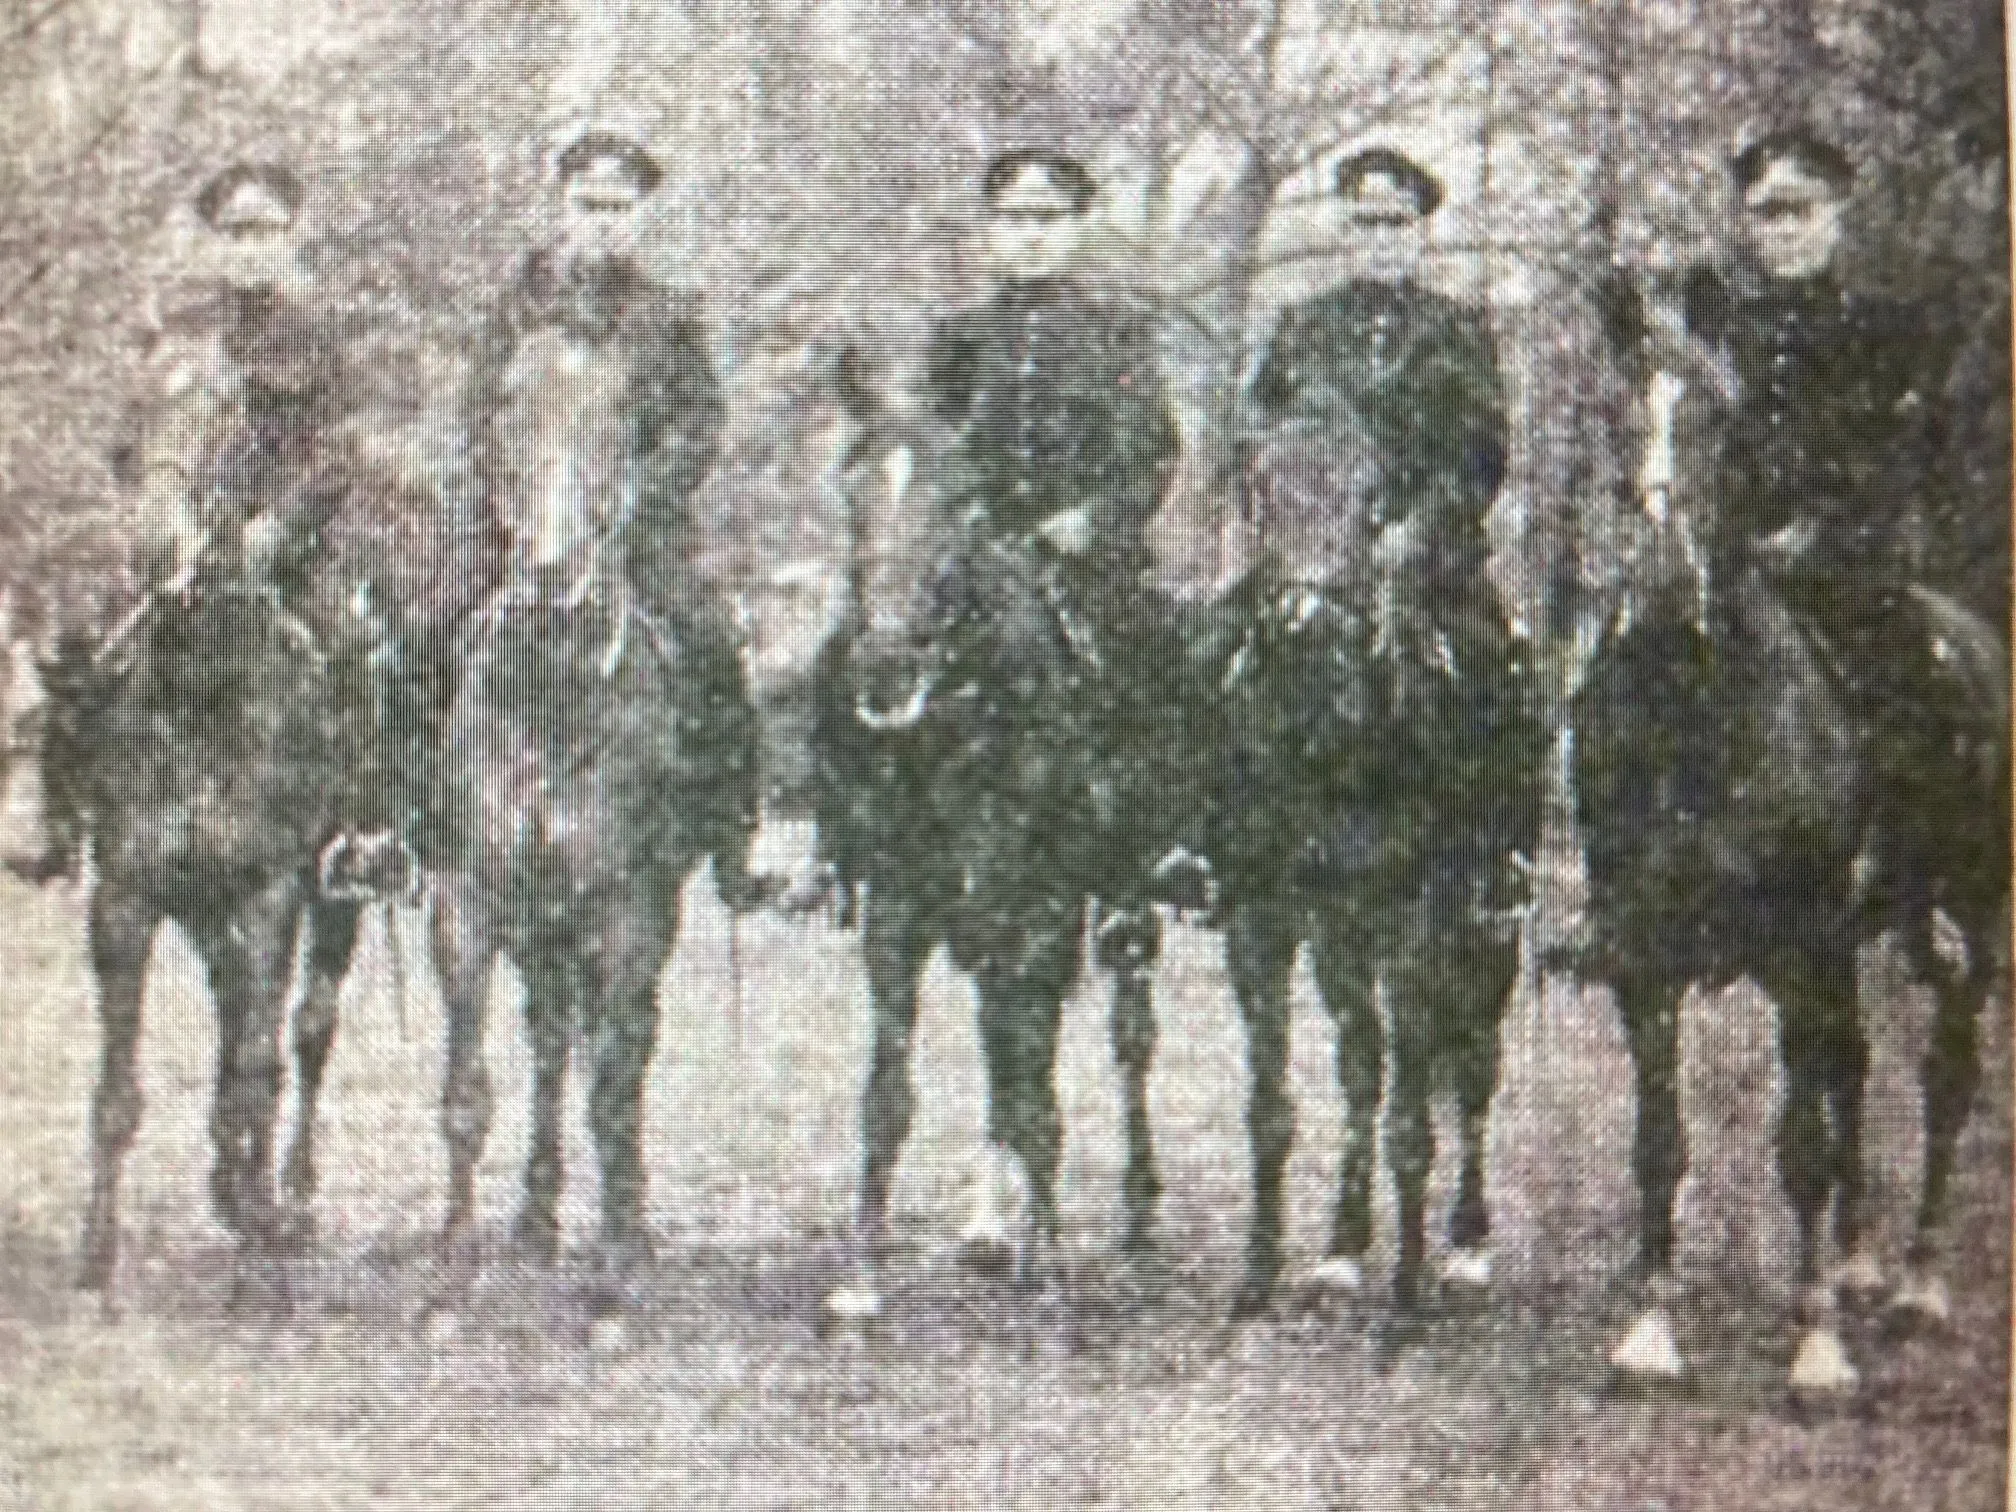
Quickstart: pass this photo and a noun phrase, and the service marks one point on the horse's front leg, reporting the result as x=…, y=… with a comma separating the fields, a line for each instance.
x=1483, y=970
x=1826, y=1060
x=1956, y=960
x=1022, y=983
x=121, y=929
x=332, y=940
x=1650, y=1008
x=551, y=998
x=631, y=939
x=249, y=954
x=1129, y=941
x=1260, y=942
x=898, y=934
x=1345, y=962
x=464, y=944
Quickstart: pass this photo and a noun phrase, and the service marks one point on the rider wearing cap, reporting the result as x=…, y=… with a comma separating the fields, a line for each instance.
x=594, y=407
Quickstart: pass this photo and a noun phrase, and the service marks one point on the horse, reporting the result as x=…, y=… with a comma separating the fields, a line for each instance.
x=1739, y=819
x=197, y=752
x=568, y=827
x=1382, y=770
x=968, y=797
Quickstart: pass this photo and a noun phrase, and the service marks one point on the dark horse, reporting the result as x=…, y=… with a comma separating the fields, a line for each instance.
x=200, y=751
x=974, y=799
x=1375, y=789
x=1738, y=820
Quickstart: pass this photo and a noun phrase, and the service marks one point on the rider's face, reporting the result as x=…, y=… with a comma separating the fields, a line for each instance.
x=1033, y=244
x=1381, y=241
x=597, y=230
x=256, y=256
x=1793, y=223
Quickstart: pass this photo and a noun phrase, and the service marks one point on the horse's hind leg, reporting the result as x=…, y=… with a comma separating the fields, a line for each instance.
x=620, y=1013
x=550, y=1001
x=463, y=946
x=1128, y=943
x=332, y=940
x=121, y=929
x=1260, y=942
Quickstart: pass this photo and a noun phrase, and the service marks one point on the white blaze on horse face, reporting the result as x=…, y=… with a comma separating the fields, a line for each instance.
x=1655, y=475
x=565, y=435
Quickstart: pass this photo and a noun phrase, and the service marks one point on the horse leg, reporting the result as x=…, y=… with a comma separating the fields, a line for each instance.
x=1950, y=1076
x=897, y=938
x=1260, y=941
x=1128, y=943
x=1021, y=1008
x=620, y=1017
x=464, y=943
x=332, y=939
x=1825, y=1058
x=1483, y=971
x=1346, y=975
x=549, y=1021
x=1410, y=1131
x=1650, y=1009
x=248, y=956
x=121, y=930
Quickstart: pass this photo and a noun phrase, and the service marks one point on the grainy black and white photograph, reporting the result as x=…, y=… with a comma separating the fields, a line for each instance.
x=935, y=754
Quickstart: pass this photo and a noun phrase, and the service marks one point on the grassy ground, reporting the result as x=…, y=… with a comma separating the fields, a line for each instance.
x=1116, y=1390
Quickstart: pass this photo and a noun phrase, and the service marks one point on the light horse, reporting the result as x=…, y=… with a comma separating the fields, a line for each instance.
x=566, y=832
x=1737, y=822
x=197, y=750
x=965, y=799
x=1379, y=777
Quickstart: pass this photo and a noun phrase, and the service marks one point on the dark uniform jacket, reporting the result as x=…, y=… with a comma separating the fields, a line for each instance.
x=601, y=385
x=1837, y=446
x=1058, y=403
x=1392, y=695
x=1395, y=390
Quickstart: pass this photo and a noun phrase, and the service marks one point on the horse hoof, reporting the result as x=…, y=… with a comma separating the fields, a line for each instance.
x=1467, y=1269
x=1822, y=1373
x=1858, y=1280
x=850, y=1310
x=987, y=1254
x=1254, y=1299
x=438, y=1326
x=293, y=1232
x=1922, y=1301
x=1649, y=1355
x=536, y=1241
x=609, y=1335
x=1340, y=1278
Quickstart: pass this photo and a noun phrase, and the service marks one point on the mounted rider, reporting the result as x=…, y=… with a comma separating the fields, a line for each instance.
x=1380, y=448
x=594, y=407
x=1062, y=448
x=1829, y=484
x=231, y=457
